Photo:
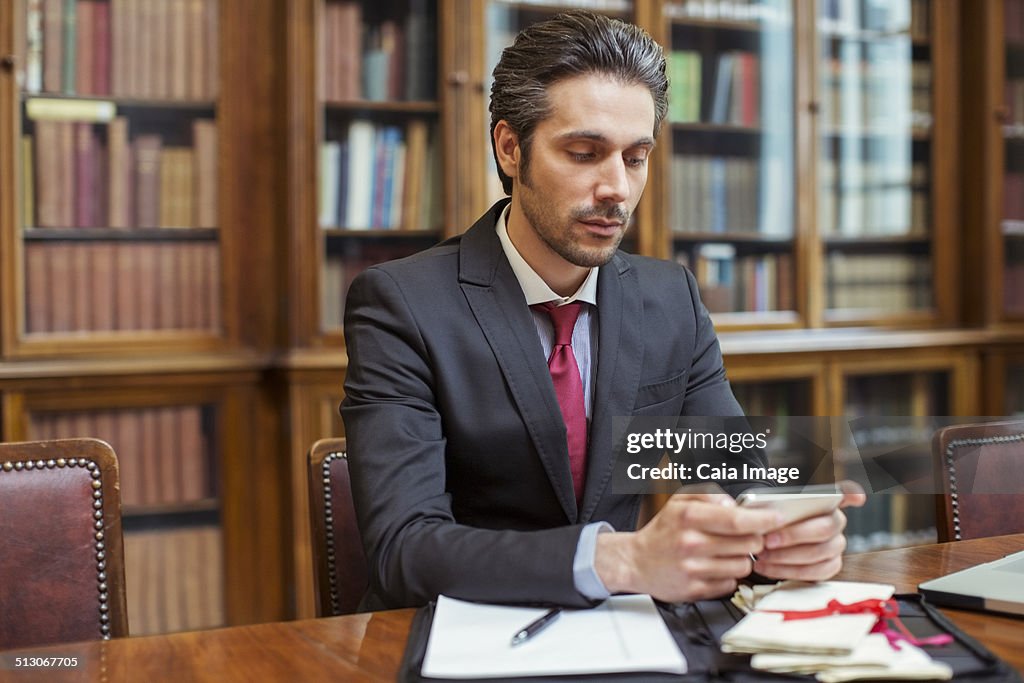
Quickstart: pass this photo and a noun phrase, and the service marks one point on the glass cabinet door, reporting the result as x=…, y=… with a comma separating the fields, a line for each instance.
x=1012, y=223
x=893, y=519
x=730, y=207
x=379, y=178
x=118, y=161
x=875, y=158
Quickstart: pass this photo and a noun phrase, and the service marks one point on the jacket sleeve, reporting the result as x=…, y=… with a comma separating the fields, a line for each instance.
x=415, y=548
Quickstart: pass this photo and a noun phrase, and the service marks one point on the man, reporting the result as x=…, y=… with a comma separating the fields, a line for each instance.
x=480, y=465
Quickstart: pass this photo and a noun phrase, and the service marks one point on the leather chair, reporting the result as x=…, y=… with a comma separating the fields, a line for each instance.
x=980, y=472
x=61, y=554
x=339, y=563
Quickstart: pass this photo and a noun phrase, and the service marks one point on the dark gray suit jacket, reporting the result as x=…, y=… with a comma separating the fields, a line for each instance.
x=456, y=443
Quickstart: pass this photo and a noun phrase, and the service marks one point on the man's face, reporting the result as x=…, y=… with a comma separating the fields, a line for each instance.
x=587, y=167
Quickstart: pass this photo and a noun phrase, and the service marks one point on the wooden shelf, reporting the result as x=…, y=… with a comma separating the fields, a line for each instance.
x=123, y=235
x=397, y=107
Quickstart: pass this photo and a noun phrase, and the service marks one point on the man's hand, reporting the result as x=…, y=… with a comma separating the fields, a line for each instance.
x=696, y=547
x=811, y=549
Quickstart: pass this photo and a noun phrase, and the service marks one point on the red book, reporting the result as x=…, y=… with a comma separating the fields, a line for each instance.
x=147, y=286
x=48, y=170
x=81, y=285
x=104, y=286
x=84, y=47
x=60, y=286
x=126, y=301
x=168, y=287
x=37, y=279
x=101, y=48
x=66, y=171
x=88, y=167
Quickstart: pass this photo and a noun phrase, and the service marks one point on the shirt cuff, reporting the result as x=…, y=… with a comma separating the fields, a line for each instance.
x=584, y=574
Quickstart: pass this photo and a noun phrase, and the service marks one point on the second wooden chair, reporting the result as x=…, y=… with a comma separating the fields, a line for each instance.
x=339, y=563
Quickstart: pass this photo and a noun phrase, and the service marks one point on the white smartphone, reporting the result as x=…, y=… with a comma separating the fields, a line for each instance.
x=794, y=503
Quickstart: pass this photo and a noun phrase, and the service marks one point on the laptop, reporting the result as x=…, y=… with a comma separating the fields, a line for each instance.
x=994, y=586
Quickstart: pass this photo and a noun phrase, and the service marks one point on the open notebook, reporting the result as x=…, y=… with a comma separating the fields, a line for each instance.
x=625, y=633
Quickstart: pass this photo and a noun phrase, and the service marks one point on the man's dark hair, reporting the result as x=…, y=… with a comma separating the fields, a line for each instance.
x=574, y=43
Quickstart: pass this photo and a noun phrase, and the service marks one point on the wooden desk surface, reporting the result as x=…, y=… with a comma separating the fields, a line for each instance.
x=370, y=646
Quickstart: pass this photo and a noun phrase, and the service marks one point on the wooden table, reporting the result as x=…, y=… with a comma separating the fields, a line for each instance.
x=370, y=646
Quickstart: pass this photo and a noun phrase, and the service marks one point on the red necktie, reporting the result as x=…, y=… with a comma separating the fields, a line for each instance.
x=565, y=374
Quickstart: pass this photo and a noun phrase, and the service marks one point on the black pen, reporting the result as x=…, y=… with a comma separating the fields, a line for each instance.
x=536, y=626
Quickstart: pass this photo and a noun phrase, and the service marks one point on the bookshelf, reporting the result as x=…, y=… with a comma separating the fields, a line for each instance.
x=120, y=118
x=730, y=154
x=122, y=170
x=993, y=76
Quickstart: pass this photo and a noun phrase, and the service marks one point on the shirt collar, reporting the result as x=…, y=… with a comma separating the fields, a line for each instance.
x=534, y=287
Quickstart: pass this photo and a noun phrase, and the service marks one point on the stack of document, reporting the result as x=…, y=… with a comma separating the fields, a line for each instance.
x=625, y=633
x=834, y=647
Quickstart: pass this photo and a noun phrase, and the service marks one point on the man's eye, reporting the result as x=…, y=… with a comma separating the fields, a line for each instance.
x=636, y=162
x=581, y=156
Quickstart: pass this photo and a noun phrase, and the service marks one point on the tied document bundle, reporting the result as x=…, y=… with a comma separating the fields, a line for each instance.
x=625, y=633
x=835, y=630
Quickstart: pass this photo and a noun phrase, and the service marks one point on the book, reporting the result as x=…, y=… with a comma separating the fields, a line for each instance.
x=34, y=46
x=204, y=136
x=120, y=197
x=85, y=45
x=146, y=152
x=70, y=49
x=53, y=45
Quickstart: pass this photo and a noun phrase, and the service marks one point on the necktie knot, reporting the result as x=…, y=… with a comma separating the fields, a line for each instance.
x=563, y=318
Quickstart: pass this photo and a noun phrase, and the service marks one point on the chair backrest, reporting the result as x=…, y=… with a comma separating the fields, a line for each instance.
x=339, y=562
x=61, y=553
x=980, y=469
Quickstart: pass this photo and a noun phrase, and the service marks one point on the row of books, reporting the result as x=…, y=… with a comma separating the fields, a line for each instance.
x=339, y=270
x=393, y=59
x=882, y=16
x=731, y=282
x=164, y=453
x=726, y=10
x=85, y=174
x=1014, y=399
x=381, y=177
x=731, y=194
x=730, y=93
x=123, y=48
x=174, y=579
x=1014, y=99
x=1013, y=196
x=1013, y=285
x=1013, y=20
x=897, y=394
x=890, y=520
x=876, y=95
x=878, y=282
x=99, y=286
x=860, y=198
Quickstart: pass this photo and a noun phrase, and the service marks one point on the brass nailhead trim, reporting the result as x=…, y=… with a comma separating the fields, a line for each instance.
x=951, y=466
x=100, y=533
x=329, y=528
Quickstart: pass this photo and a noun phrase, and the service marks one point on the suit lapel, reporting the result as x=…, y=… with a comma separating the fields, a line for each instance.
x=498, y=304
x=620, y=354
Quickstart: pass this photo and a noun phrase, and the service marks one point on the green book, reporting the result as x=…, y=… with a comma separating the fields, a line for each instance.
x=70, y=27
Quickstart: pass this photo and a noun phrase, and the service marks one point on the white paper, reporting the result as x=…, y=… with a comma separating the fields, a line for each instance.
x=625, y=633
x=765, y=630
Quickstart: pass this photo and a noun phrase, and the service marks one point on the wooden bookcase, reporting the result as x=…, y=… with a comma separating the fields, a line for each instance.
x=993, y=170
x=128, y=143
x=869, y=238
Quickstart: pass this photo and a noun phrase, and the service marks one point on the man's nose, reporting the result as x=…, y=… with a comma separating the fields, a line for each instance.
x=613, y=182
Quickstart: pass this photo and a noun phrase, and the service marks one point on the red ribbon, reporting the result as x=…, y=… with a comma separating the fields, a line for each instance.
x=880, y=608
x=887, y=611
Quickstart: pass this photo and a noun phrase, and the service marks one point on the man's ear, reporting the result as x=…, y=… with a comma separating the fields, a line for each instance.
x=506, y=146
